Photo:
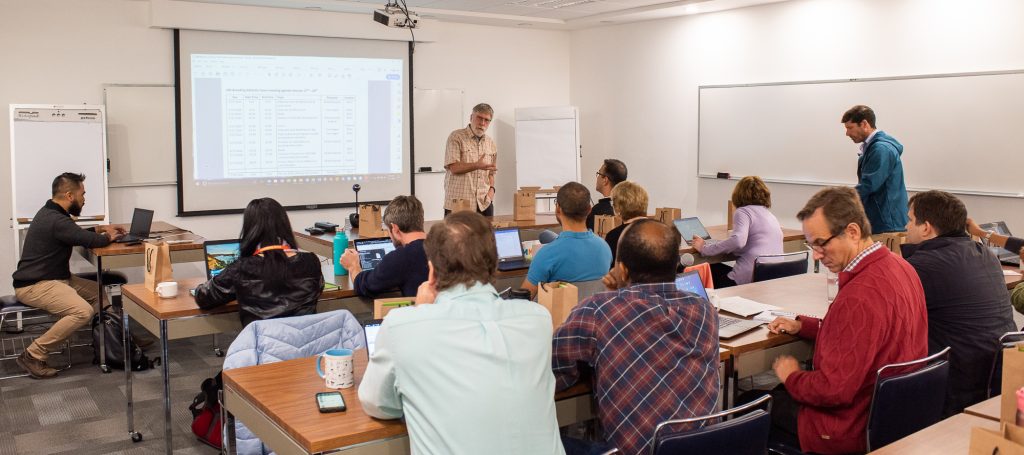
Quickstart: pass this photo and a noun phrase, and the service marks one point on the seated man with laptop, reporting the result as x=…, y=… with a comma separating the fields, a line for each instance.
x=965, y=292
x=653, y=356
x=43, y=278
x=395, y=263
x=142, y=223
x=469, y=372
x=577, y=254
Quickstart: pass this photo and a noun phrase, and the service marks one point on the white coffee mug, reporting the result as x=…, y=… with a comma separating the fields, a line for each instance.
x=167, y=289
x=338, y=368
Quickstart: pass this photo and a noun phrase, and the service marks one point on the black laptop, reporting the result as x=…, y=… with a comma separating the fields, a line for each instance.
x=1005, y=256
x=142, y=221
x=510, y=250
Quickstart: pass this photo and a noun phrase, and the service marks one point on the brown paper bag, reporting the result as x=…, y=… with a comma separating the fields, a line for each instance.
x=667, y=214
x=525, y=205
x=559, y=298
x=158, y=264
x=381, y=307
x=1013, y=379
x=605, y=223
x=1008, y=441
x=459, y=205
x=370, y=223
x=729, y=209
x=502, y=224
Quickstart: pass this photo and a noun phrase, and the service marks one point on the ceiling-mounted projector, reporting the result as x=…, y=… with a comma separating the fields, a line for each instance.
x=394, y=16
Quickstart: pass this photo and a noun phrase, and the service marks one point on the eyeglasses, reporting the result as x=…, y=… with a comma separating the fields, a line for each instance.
x=819, y=247
x=599, y=174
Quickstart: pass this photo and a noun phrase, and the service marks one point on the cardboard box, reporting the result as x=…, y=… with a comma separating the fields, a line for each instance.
x=1008, y=441
x=559, y=298
x=605, y=223
x=524, y=206
x=381, y=307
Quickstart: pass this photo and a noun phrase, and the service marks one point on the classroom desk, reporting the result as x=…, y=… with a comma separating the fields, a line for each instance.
x=275, y=401
x=952, y=436
x=121, y=255
x=988, y=409
x=323, y=244
x=180, y=317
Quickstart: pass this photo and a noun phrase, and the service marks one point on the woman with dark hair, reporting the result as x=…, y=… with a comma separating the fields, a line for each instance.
x=270, y=279
x=755, y=232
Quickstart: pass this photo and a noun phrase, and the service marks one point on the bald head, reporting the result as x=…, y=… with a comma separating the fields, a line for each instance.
x=650, y=251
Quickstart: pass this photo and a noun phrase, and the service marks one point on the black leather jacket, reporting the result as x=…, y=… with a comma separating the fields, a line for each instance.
x=243, y=281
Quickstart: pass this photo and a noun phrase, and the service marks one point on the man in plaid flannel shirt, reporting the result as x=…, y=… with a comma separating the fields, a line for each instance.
x=653, y=349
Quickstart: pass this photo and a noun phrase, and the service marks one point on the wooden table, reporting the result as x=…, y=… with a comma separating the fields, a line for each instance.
x=952, y=436
x=120, y=255
x=323, y=244
x=180, y=317
x=275, y=401
x=988, y=409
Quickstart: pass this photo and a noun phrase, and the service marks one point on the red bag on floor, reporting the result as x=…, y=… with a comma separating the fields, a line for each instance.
x=206, y=424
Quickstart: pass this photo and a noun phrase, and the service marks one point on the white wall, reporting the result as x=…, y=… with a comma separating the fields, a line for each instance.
x=636, y=84
x=62, y=52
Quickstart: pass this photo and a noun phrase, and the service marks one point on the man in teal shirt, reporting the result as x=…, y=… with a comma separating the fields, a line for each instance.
x=470, y=372
x=577, y=254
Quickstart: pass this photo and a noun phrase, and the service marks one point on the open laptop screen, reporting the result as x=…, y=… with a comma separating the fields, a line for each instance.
x=689, y=227
x=220, y=254
x=370, y=329
x=508, y=242
x=142, y=221
x=372, y=251
x=690, y=282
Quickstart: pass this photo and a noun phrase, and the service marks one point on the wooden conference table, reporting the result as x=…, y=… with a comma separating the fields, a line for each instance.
x=180, y=317
x=275, y=401
x=121, y=255
x=988, y=409
x=952, y=436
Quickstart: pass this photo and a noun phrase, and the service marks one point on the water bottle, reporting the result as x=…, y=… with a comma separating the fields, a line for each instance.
x=340, y=243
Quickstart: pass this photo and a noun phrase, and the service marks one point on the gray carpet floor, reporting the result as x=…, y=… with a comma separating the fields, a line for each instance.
x=82, y=411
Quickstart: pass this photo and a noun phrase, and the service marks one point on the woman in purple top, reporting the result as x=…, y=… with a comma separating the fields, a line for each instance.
x=756, y=232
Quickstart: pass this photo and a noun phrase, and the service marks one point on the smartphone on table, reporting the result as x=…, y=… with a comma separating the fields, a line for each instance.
x=330, y=402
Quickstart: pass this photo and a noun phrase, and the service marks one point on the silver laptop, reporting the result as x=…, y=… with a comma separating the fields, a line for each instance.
x=1005, y=256
x=692, y=227
x=727, y=327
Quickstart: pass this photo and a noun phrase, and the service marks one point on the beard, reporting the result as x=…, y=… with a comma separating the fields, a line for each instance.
x=75, y=209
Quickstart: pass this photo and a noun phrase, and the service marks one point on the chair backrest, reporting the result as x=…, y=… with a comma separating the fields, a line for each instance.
x=743, y=435
x=772, y=266
x=905, y=402
x=995, y=374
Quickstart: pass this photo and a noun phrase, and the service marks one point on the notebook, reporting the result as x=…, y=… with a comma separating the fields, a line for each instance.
x=372, y=251
x=142, y=222
x=727, y=327
x=510, y=249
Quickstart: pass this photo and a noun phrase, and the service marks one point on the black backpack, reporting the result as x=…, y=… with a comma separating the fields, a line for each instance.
x=115, y=343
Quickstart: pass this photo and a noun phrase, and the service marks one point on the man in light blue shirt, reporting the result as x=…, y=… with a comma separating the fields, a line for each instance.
x=577, y=254
x=470, y=372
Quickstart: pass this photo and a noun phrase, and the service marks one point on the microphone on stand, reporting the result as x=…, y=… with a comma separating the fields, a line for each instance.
x=353, y=218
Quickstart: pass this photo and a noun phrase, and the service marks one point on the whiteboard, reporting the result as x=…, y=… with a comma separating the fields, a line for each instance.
x=48, y=140
x=957, y=130
x=547, y=146
x=141, y=134
x=436, y=113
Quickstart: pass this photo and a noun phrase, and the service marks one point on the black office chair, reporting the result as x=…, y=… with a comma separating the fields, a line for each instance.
x=904, y=403
x=743, y=435
x=995, y=374
x=772, y=266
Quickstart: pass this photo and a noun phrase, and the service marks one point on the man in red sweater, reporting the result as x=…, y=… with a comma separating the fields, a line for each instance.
x=879, y=317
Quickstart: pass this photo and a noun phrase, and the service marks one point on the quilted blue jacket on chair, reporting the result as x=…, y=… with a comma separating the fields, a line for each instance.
x=274, y=340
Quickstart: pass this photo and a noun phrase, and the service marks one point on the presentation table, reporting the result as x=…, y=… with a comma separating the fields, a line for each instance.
x=988, y=409
x=121, y=255
x=275, y=401
x=952, y=436
x=180, y=317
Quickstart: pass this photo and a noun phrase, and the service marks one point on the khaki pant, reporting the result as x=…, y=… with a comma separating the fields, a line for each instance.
x=71, y=301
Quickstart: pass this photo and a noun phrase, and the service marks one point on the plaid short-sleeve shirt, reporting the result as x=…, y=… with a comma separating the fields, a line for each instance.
x=464, y=147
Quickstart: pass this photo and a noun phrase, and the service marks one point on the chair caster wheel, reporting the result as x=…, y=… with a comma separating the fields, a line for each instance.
x=105, y=369
x=136, y=436
x=218, y=352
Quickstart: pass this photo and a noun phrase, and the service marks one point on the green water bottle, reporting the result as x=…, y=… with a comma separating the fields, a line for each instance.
x=340, y=244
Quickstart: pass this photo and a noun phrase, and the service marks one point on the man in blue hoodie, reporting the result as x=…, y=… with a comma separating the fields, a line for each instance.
x=879, y=171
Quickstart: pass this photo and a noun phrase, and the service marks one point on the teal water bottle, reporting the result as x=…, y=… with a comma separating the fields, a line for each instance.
x=340, y=243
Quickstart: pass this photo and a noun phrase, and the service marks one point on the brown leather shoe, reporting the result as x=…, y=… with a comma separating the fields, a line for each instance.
x=35, y=368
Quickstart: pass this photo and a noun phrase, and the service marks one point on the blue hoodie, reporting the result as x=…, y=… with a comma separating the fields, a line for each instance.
x=881, y=186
